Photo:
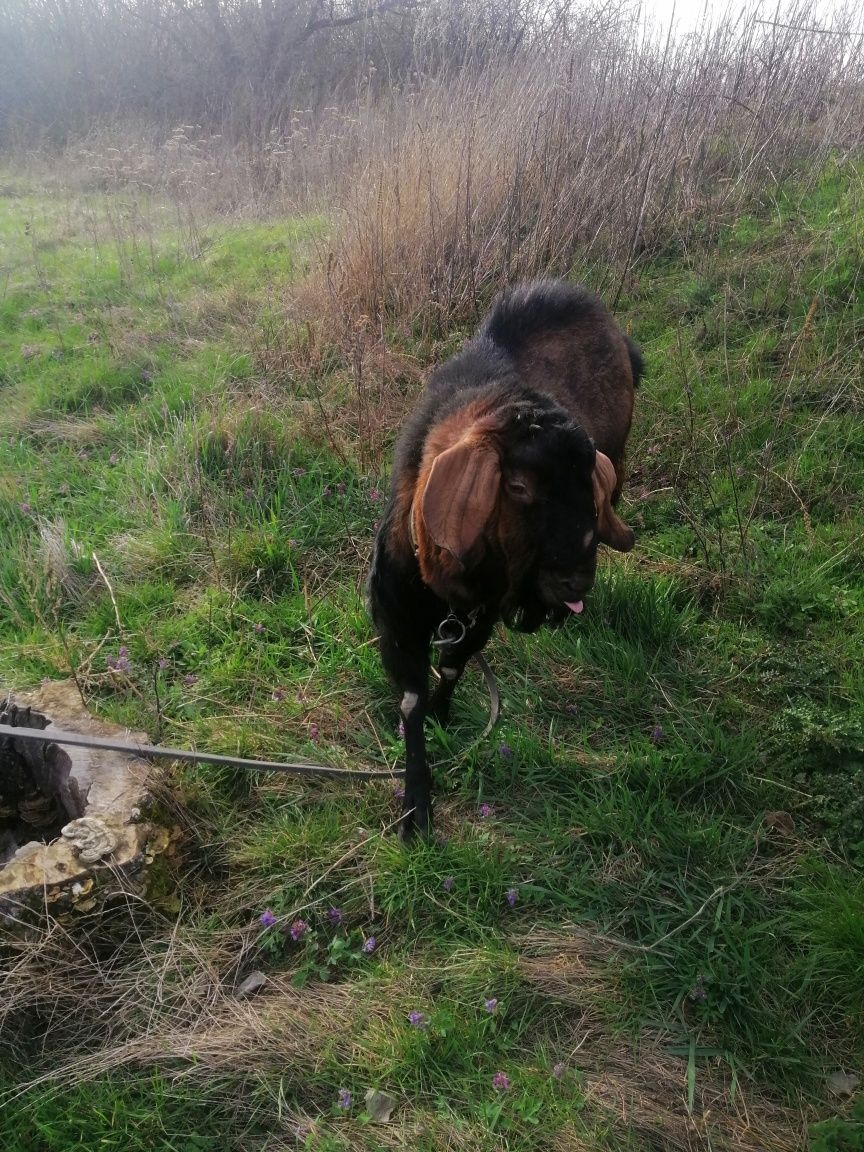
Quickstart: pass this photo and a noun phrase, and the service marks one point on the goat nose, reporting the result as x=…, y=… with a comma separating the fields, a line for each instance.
x=577, y=586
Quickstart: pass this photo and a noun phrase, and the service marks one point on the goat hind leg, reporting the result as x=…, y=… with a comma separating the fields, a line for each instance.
x=452, y=663
x=450, y=672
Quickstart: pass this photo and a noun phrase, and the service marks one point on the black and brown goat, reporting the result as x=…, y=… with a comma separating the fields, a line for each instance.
x=504, y=482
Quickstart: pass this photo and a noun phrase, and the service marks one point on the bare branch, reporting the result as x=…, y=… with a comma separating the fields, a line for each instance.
x=400, y=6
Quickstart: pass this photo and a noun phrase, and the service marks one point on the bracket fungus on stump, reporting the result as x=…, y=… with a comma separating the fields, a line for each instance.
x=72, y=834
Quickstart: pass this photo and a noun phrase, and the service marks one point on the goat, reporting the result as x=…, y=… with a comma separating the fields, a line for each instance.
x=504, y=482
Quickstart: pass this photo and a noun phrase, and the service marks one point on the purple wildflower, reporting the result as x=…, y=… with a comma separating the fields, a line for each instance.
x=335, y=917
x=278, y=695
x=491, y=1005
x=120, y=662
x=505, y=751
x=656, y=736
x=298, y=930
x=267, y=919
x=340, y=488
x=370, y=945
x=501, y=1081
x=327, y=491
x=416, y=1019
x=248, y=493
x=398, y=792
x=292, y=543
x=163, y=664
x=447, y=883
x=259, y=627
x=313, y=733
x=400, y=731
x=558, y=1071
x=25, y=508
x=189, y=679
x=298, y=471
x=485, y=811
x=344, y=1101
x=374, y=495
x=512, y=896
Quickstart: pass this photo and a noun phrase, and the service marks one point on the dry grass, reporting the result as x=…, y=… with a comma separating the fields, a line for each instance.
x=171, y=1003
x=641, y=1085
x=604, y=151
x=646, y=1088
x=162, y=995
x=340, y=377
x=581, y=160
x=572, y=966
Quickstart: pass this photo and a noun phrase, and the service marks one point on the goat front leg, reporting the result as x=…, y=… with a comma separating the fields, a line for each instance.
x=452, y=663
x=407, y=664
x=417, y=803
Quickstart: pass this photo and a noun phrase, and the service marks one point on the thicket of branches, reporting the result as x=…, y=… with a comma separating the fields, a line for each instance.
x=238, y=66
x=584, y=157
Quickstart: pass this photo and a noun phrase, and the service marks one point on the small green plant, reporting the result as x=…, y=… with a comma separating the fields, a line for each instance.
x=316, y=954
x=841, y=1133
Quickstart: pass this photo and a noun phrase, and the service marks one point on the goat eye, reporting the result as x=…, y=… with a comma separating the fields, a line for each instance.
x=518, y=488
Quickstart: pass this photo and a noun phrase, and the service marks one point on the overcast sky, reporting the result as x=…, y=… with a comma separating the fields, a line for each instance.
x=689, y=13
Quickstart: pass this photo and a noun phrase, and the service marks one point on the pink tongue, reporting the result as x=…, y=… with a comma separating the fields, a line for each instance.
x=574, y=605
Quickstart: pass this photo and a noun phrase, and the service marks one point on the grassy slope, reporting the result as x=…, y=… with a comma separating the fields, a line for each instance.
x=676, y=783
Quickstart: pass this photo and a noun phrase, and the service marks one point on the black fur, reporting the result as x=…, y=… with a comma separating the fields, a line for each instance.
x=552, y=446
x=541, y=307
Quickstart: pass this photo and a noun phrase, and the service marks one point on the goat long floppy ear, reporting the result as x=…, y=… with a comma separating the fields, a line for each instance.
x=460, y=496
x=611, y=529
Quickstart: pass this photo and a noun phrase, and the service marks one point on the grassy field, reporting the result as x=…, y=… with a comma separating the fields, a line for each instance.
x=643, y=925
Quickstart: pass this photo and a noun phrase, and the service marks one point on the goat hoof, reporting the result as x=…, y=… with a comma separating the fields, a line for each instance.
x=410, y=829
x=440, y=714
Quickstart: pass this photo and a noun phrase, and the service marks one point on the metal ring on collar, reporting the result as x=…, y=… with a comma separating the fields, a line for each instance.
x=451, y=630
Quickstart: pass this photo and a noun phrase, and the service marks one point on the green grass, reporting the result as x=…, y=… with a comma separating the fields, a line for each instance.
x=677, y=782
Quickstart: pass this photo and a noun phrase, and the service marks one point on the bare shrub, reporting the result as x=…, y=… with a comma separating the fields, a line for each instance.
x=235, y=67
x=583, y=158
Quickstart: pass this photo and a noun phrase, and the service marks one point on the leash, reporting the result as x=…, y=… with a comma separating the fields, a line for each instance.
x=494, y=696
x=76, y=739
x=297, y=768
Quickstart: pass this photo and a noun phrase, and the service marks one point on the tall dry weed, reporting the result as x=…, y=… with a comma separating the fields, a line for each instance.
x=583, y=158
